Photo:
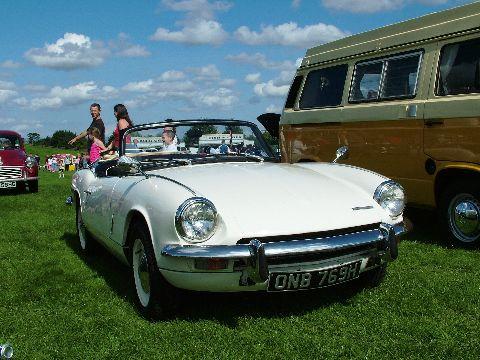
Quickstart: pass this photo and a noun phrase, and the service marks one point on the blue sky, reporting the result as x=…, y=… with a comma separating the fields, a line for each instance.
x=167, y=59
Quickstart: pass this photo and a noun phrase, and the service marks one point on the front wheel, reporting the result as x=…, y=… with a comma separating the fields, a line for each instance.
x=33, y=186
x=153, y=293
x=460, y=213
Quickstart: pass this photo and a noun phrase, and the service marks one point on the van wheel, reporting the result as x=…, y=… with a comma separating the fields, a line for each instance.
x=460, y=213
x=154, y=295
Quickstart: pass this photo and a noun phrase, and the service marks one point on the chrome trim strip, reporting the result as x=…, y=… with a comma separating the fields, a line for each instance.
x=282, y=248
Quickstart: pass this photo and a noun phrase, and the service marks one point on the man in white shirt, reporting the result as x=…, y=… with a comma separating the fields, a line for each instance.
x=168, y=143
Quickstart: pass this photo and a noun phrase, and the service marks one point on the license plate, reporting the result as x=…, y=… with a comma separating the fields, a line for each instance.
x=303, y=280
x=8, y=184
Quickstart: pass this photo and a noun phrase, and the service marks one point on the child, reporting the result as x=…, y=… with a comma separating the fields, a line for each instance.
x=61, y=168
x=97, y=146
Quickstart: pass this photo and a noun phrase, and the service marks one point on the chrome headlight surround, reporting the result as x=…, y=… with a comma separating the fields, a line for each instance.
x=196, y=220
x=30, y=162
x=391, y=197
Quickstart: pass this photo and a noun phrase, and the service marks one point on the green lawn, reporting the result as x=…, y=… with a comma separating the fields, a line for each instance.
x=56, y=303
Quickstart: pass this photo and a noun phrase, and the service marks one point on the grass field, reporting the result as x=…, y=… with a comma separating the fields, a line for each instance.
x=56, y=303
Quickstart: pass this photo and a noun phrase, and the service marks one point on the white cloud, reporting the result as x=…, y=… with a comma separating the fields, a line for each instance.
x=7, y=85
x=199, y=8
x=220, y=97
x=172, y=75
x=208, y=72
x=364, y=6
x=252, y=78
x=140, y=86
x=227, y=83
x=290, y=34
x=6, y=95
x=261, y=61
x=10, y=64
x=269, y=89
x=199, y=32
x=273, y=109
x=296, y=3
x=76, y=94
x=35, y=88
x=123, y=47
x=21, y=125
x=72, y=51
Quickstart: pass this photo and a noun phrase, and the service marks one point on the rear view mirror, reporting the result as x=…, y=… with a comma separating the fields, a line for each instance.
x=271, y=123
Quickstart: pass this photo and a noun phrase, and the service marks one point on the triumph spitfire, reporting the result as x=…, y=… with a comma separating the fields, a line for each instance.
x=222, y=214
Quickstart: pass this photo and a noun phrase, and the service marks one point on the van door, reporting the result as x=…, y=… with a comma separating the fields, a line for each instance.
x=452, y=112
x=384, y=117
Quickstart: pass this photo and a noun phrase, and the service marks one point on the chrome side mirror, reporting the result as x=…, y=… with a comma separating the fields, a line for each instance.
x=341, y=153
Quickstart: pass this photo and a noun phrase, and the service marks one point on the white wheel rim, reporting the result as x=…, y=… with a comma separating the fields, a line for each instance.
x=81, y=229
x=140, y=273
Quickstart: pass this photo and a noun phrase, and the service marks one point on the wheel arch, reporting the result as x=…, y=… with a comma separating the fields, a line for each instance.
x=133, y=216
x=450, y=174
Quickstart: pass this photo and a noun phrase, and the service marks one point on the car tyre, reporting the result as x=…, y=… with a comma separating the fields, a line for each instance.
x=154, y=295
x=33, y=186
x=460, y=213
x=86, y=241
x=375, y=277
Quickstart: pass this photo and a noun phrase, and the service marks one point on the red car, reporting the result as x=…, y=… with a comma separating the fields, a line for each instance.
x=16, y=168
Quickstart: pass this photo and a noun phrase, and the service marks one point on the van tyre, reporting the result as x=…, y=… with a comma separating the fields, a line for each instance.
x=85, y=239
x=460, y=213
x=154, y=296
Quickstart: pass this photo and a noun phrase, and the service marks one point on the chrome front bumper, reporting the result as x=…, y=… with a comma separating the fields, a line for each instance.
x=257, y=254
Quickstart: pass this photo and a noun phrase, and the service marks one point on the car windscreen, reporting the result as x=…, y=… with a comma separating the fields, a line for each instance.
x=194, y=140
x=9, y=142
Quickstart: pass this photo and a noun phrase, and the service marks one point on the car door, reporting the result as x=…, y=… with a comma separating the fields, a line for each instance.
x=97, y=206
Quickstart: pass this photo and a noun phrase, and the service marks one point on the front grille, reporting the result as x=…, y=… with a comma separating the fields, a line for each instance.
x=10, y=172
x=315, y=235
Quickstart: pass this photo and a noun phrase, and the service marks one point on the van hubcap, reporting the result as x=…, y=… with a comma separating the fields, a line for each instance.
x=464, y=217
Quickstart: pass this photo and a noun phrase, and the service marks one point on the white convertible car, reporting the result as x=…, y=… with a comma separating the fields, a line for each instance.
x=222, y=214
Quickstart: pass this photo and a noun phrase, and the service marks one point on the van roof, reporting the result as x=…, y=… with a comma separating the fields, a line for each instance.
x=435, y=25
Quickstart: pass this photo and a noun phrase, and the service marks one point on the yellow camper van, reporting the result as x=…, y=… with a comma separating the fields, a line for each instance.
x=405, y=100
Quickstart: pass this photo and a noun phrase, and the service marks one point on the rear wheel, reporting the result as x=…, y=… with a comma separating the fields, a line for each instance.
x=154, y=296
x=85, y=239
x=460, y=213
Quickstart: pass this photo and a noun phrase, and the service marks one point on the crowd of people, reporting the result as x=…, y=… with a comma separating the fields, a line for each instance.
x=64, y=162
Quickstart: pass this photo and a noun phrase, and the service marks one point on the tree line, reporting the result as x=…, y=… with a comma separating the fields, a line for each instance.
x=59, y=139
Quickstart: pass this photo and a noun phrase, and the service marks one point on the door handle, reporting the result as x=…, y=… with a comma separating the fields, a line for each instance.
x=434, y=122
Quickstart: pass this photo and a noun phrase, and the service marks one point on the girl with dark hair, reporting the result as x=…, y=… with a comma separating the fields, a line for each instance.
x=123, y=123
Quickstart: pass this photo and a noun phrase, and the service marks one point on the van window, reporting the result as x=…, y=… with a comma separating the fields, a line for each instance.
x=388, y=78
x=459, y=70
x=324, y=87
x=292, y=94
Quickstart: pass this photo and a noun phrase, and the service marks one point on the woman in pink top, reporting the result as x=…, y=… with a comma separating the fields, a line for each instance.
x=97, y=145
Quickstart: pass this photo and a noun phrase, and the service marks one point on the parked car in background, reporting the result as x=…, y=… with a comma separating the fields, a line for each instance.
x=17, y=169
x=405, y=99
x=236, y=221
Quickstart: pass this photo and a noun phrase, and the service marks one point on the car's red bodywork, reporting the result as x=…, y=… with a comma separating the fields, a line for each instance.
x=16, y=167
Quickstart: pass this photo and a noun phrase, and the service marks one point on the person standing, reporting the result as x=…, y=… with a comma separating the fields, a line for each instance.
x=97, y=122
x=123, y=123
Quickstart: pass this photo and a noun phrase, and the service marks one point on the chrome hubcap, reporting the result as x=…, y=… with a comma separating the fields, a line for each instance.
x=141, y=274
x=464, y=217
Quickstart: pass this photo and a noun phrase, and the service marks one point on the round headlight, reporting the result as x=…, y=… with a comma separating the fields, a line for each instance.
x=196, y=220
x=391, y=197
x=30, y=162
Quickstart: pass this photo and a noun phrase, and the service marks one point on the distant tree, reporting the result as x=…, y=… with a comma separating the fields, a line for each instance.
x=60, y=138
x=269, y=139
x=33, y=138
x=234, y=128
x=45, y=141
x=193, y=134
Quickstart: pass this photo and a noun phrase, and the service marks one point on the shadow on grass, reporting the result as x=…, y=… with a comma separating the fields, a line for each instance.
x=427, y=228
x=21, y=189
x=226, y=308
